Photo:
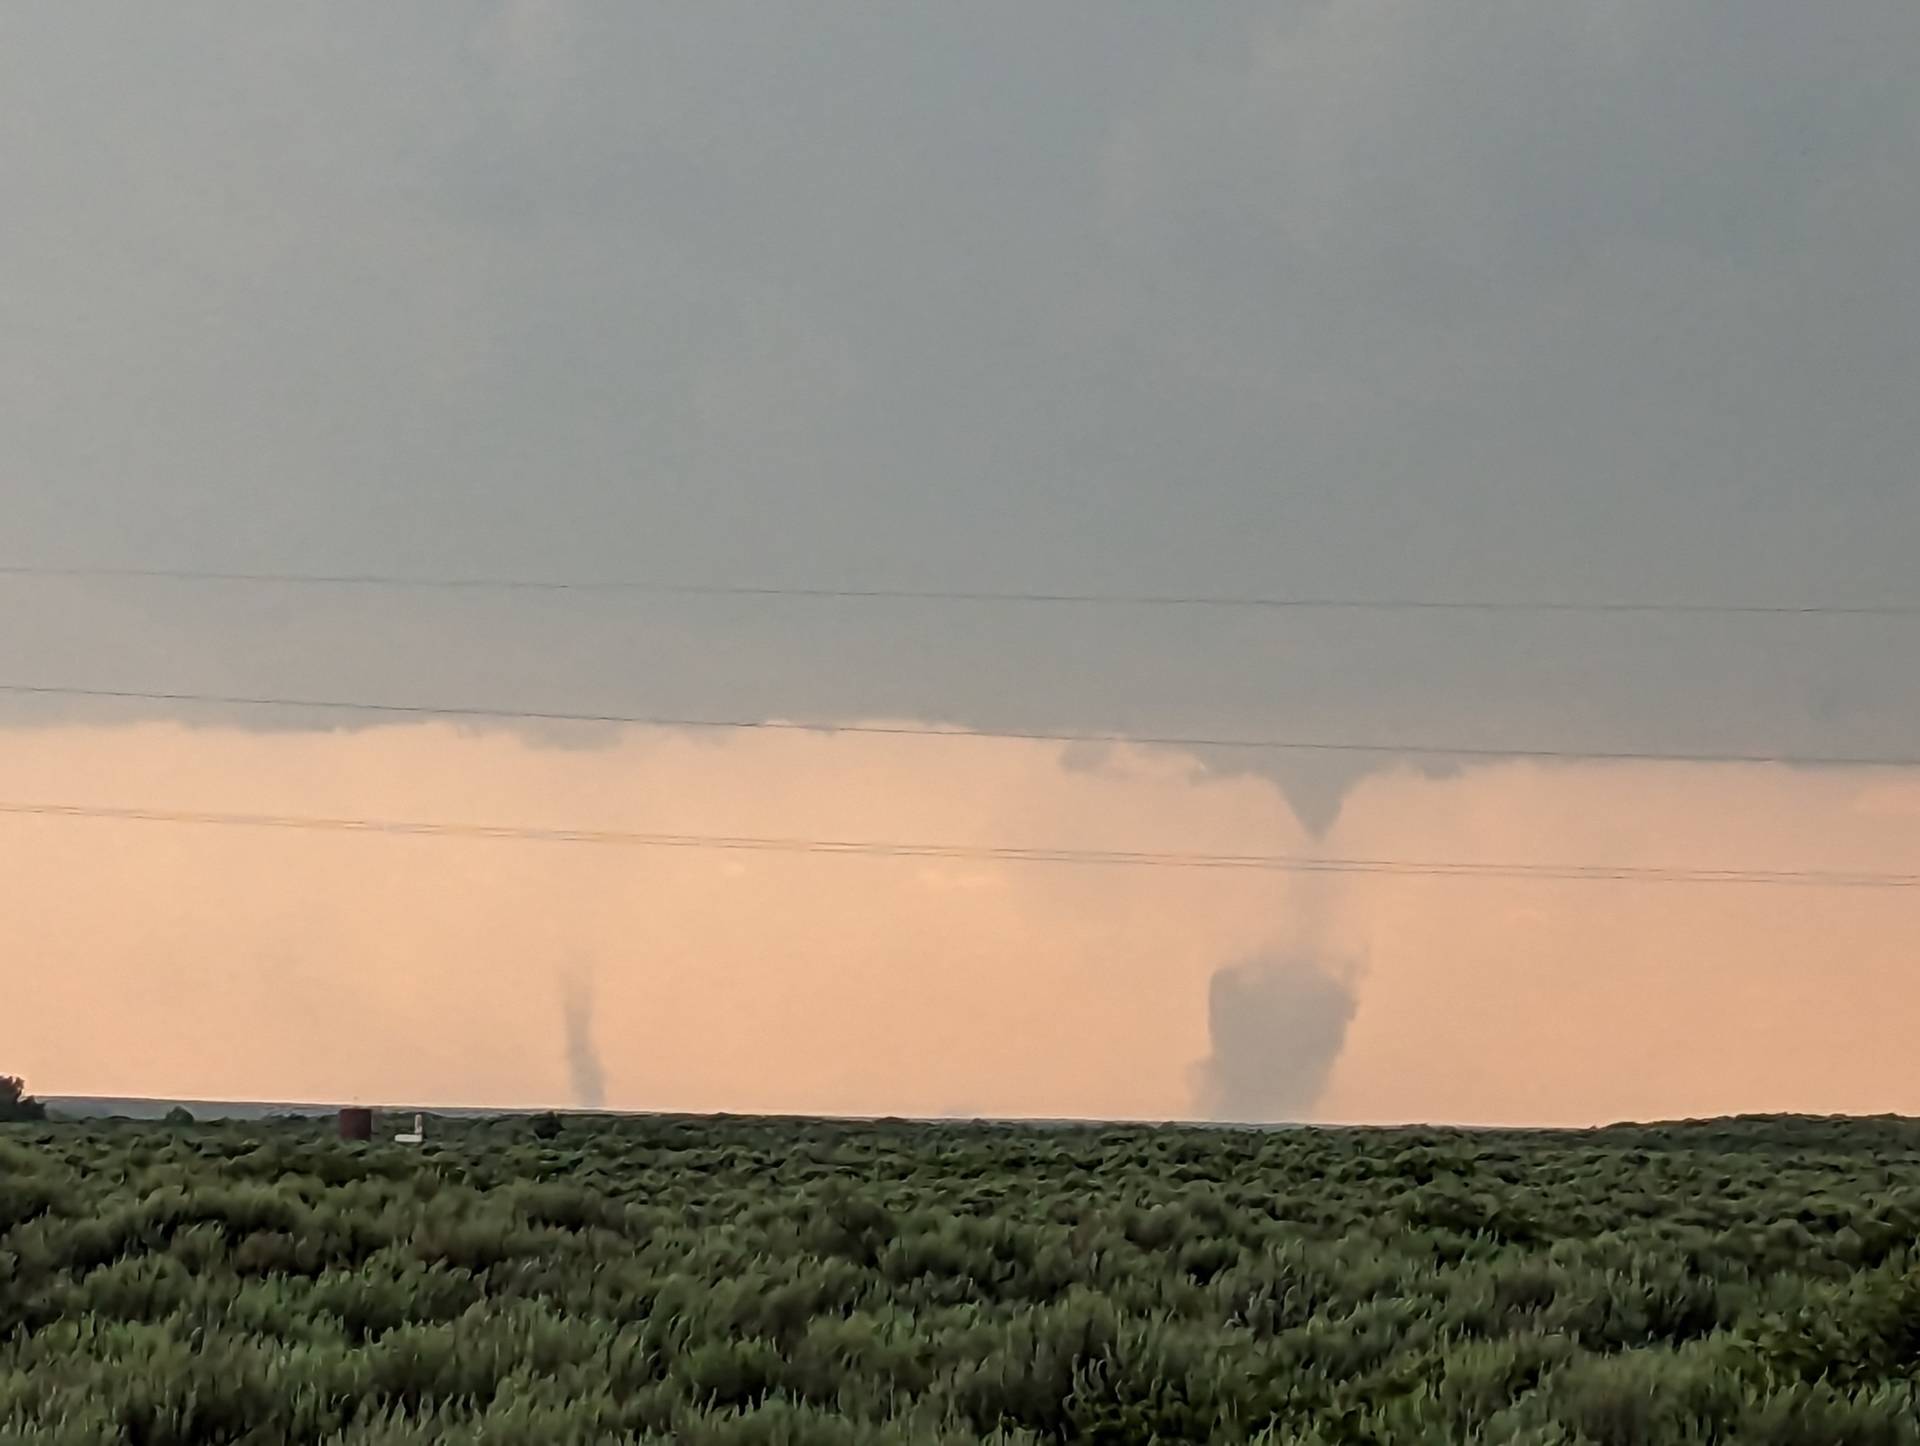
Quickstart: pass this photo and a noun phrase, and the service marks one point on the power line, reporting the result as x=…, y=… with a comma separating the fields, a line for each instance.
x=872, y=848
x=1242, y=601
x=917, y=730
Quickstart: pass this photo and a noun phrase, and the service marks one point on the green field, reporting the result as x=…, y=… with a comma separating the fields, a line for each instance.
x=768, y=1281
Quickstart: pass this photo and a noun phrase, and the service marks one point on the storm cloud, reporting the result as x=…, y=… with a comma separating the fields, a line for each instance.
x=1303, y=300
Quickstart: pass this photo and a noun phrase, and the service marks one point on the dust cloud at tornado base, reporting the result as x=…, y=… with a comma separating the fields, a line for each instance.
x=1277, y=1020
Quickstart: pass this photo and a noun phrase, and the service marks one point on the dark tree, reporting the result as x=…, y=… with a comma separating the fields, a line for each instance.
x=180, y=1115
x=546, y=1126
x=16, y=1103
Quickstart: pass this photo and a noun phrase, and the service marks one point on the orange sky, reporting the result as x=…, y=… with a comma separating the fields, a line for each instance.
x=238, y=963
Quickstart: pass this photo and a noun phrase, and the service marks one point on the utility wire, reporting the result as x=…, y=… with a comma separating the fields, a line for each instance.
x=916, y=730
x=1302, y=602
x=872, y=848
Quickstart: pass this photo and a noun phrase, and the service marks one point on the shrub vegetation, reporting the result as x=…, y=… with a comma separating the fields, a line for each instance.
x=15, y=1103
x=757, y=1281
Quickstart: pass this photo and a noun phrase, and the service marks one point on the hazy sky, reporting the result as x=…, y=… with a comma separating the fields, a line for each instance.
x=1605, y=301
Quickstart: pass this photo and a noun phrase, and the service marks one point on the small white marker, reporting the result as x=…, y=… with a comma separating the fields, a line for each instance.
x=418, y=1136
